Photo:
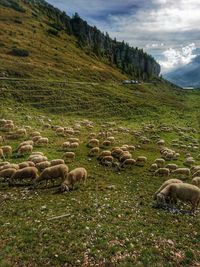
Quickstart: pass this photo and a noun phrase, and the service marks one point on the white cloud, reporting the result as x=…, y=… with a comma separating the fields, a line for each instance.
x=174, y=58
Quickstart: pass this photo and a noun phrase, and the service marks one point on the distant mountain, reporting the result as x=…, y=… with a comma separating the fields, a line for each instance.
x=186, y=76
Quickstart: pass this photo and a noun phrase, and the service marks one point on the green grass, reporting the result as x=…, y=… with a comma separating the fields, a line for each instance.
x=114, y=225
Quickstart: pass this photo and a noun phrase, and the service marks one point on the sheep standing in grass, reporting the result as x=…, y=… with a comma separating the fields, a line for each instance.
x=26, y=164
x=104, y=154
x=51, y=173
x=182, y=172
x=57, y=162
x=166, y=183
x=69, y=156
x=162, y=172
x=171, y=166
x=74, y=176
x=7, y=173
x=196, y=181
x=10, y=165
x=93, y=143
x=141, y=161
x=42, y=141
x=160, y=162
x=94, y=152
x=107, y=161
x=42, y=165
x=182, y=191
x=25, y=173
x=7, y=150
x=25, y=149
x=128, y=163
x=153, y=167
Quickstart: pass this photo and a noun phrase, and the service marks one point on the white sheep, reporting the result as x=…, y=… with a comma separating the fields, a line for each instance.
x=182, y=172
x=94, y=152
x=69, y=156
x=182, y=191
x=141, y=161
x=57, y=162
x=162, y=172
x=25, y=149
x=93, y=143
x=166, y=183
x=74, y=176
x=51, y=173
x=160, y=162
x=196, y=181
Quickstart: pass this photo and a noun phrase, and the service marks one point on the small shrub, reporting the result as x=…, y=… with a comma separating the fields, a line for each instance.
x=18, y=21
x=53, y=32
x=19, y=52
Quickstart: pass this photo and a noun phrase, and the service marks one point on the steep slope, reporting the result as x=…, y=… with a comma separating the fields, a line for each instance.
x=38, y=40
x=49, y=56
x=186, y=76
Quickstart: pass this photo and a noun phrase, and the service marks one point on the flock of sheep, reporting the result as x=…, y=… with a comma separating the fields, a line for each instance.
x=102, y=145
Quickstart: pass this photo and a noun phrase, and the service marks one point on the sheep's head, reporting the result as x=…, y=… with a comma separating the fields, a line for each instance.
x=64, y=188
x=160, y=199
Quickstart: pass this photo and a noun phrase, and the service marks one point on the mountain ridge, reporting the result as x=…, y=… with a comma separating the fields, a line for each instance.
x=186, y=76
x=52, y=27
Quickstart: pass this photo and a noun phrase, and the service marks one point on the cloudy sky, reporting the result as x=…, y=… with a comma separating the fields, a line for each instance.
x=167, y=29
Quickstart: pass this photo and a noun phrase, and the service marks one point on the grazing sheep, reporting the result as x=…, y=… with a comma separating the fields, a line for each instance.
x=4, y=163
x=153, y=167
x=42, y=165
x=160, y=162
x=116, y=152
x=65, y=145
x=37, y=153
x=10, y=165
x=51, y=173
x=131, y=148
x=25, y=173
x=162, y=172
x=189, y=162
x=194, y=169
x=111, y=139
x=182, y=172
x=196, y=181
x=161, y=142
x=35, y=134
x=7, y=150
x=93, y=143
x=94, y=152
x=166, y=183
x=141, y=161
x=73, y=140
x=171, y=166
x=25, y=149
x=57, y=162
x=106, y=143
x=28, y=142
x=7, y=173
x=74, y=176
x=128, y=162
x=26, y=164
x=104, y=154
x=107, y=161
x=69, y=156
x=125, y=156
x=38, y=159
x=36, y=138
x=74, y=145
x=42, y=141
x=182, y=191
